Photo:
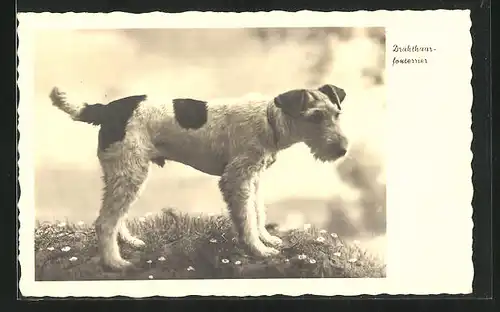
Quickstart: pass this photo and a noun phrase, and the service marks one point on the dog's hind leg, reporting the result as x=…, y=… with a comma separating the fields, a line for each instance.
x=123, y=178
x=125, y=234
x=123, y=230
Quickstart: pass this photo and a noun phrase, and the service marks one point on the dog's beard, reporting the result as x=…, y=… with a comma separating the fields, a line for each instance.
x=326, y=153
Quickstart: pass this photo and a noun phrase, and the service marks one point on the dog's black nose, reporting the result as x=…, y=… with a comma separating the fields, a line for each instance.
x=341, y=152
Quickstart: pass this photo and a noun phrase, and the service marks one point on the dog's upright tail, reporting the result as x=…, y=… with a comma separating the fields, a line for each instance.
x=94, y=114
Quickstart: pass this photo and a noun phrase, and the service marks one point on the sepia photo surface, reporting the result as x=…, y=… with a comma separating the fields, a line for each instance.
x=245, y=154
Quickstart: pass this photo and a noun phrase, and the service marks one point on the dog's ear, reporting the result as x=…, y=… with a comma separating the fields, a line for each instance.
x=292, y=102
x=334, y=93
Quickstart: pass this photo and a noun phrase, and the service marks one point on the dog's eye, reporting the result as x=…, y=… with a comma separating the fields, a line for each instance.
x=316, y=116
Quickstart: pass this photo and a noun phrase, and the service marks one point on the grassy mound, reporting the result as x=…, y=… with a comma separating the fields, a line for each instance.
x=179, y=246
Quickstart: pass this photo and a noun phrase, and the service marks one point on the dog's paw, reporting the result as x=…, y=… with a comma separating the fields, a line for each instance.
x=272, y=240
x=267, y=238
x=136, y=243
x=132, y=241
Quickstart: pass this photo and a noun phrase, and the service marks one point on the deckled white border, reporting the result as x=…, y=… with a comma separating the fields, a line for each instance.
x=429, y=216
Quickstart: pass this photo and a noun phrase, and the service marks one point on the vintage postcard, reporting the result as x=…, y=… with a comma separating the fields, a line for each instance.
x=245, y=154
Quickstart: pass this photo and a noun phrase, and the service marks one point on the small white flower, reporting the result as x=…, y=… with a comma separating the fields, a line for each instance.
x=320, y=239
x=234, y=240
x=356, y=242
x=237, y=262
x=142, y=219
x=66, y=249
x=336, y=254
x=73, y=259
x=149, y=261
x=225, y=261
x=287, y=260
x=312, y=261
x=323, y=231
x=148, y=214
x=50, y=248
x=80, y=223
x=62, y=224
x=150, y=277
x=213, y=240
x=190, y=268
x=334, y=235
x=161, y=258
x=302, y=257
x=352, y=260
x=307, y=226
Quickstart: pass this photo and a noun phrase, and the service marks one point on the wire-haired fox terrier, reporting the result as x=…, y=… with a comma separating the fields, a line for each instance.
x=236, y=141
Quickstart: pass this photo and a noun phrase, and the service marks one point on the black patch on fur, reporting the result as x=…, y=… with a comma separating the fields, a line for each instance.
x=113, y=118
x=94, y=114
x=190, y=113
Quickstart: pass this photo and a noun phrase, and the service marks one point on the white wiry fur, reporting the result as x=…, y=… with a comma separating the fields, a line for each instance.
x=59, y=99
x=236, y=141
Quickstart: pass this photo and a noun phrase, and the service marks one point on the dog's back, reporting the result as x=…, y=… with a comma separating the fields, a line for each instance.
x=204, y=135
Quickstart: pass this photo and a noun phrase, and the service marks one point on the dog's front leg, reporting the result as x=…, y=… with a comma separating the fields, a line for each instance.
x=260, y=209
x=238, y=190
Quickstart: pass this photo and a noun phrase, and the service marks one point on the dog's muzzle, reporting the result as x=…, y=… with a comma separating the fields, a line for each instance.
x=337, y=151
x=329, y=152
x=338, y=148
x=340, y=152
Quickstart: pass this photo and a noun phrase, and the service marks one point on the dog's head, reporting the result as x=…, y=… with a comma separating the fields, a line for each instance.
x=315, y=114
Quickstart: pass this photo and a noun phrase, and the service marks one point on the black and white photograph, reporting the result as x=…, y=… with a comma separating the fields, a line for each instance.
x=227, y=106
x=211, y=153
